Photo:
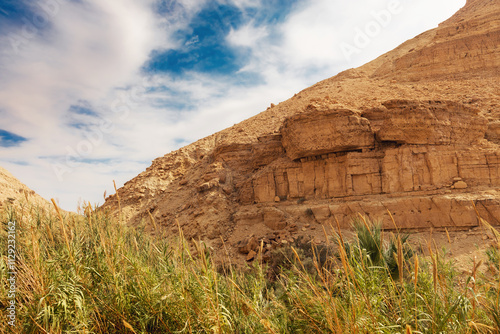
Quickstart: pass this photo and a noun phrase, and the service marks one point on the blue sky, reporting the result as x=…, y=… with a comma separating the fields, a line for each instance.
x=91, y=91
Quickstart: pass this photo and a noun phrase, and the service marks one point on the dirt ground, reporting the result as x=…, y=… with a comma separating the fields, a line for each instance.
x=465, y=248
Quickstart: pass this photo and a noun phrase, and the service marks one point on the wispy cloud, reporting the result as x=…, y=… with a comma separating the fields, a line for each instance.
x=100, y=88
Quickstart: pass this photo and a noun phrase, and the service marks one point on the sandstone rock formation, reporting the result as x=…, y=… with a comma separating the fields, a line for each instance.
x=414, y=135
x=318, y=132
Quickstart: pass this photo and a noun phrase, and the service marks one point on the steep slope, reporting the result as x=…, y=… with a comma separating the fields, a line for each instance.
x=465, y=46
x=414, y=132
x=13, y=192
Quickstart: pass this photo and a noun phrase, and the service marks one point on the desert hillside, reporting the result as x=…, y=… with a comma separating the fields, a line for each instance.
x=411, y=136
x=13, y=192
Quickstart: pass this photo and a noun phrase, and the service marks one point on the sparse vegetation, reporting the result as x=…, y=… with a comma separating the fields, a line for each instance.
x=309, y=212
x=493, y=254
x=301, y=200
x=370, y=247
x=91, y=274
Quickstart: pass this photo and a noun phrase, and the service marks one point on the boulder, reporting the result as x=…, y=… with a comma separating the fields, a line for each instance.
x=427, y=123
x=319, y=131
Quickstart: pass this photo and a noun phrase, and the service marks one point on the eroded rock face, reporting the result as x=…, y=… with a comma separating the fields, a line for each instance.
x=420, y=146
x=427, y=123
x=318, y=132
x=465, y=46
x=389, y=170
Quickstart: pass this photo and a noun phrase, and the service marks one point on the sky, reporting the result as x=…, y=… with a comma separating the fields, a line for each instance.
x=92, y=91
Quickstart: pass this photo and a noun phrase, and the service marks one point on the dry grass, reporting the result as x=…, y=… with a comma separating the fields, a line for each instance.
x=92, y=274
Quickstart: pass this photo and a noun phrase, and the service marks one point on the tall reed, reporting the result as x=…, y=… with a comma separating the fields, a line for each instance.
x=88, y=273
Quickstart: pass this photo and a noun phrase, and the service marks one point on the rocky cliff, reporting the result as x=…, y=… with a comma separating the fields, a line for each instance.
x=414, y=133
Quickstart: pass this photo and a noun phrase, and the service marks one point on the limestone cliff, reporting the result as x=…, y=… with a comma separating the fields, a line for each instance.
x=414, y=133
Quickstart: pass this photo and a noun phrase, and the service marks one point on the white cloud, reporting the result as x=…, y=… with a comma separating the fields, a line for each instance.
x=314, y=35
x=243, y=4
x=247, y=36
